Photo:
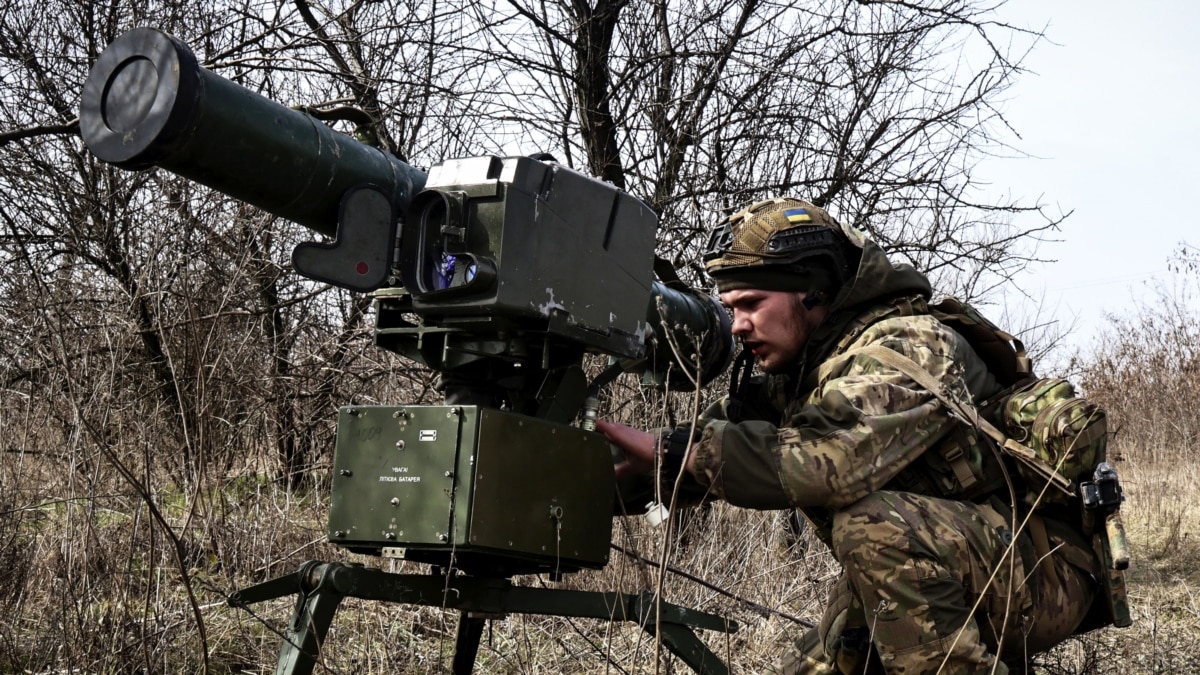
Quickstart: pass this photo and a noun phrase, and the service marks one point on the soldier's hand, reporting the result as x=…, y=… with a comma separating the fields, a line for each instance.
x=638, y=446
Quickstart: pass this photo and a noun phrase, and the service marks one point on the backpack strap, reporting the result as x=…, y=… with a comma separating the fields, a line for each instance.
x=967, y=413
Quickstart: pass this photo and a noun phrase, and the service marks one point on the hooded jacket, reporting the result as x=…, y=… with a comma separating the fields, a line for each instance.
x=837, y=425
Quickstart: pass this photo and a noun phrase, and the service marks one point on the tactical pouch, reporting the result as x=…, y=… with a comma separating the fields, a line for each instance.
x=1102, y=498
x=1067, y=434
x=961, y=466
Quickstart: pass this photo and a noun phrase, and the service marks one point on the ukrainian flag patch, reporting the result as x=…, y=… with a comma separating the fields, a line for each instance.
x=797, y=216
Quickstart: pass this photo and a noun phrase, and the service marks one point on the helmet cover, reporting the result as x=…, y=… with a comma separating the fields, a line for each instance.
x=785, y=244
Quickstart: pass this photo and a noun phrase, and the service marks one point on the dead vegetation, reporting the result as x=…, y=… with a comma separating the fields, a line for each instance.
x=96, y=563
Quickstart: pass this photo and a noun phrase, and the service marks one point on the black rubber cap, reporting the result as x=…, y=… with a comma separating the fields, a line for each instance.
x=139, y=97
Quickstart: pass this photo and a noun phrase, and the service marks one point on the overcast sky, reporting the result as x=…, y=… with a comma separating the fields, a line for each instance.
x=1110, y=113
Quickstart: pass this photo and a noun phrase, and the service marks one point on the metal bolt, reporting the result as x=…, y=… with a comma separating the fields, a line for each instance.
x=442, y=537
x=345, y=472
x=395, y=501
x=400, y=444
x=389, y=535
x=453, y=411
x=591, y=406
x=449, y=474
x=338, y=533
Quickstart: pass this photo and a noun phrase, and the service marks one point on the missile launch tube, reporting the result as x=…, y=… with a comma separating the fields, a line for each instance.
x=147, y=102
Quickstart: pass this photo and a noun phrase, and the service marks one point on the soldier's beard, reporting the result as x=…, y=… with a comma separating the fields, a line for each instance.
x=802, y=321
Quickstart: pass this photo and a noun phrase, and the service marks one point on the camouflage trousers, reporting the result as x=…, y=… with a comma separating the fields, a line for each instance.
x=938, y=586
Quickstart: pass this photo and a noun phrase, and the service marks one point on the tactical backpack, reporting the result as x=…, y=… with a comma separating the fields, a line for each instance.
x=1056, y=437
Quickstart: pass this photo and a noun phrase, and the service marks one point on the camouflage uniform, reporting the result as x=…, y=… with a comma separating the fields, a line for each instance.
x=931, y=582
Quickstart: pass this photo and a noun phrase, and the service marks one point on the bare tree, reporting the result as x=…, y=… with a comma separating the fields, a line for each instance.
x=161, y=355
x=879, y=111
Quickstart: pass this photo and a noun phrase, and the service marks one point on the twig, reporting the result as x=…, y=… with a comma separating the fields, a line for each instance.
x=71, y=127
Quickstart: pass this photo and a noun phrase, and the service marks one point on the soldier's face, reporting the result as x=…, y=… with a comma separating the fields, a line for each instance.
x=773, y=325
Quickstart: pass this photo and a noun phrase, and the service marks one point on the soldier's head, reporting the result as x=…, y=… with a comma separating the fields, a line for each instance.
x=777, y=265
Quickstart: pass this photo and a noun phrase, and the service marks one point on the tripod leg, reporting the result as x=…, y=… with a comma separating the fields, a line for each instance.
x=682, y=642
x=466, y=645
x=306, y=631
x=675, y=624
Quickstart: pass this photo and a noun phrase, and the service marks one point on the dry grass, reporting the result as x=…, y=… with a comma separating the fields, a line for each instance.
x=87, y=585
x=91, y=582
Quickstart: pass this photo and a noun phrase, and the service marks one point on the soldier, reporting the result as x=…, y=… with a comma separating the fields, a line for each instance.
x=934, y=580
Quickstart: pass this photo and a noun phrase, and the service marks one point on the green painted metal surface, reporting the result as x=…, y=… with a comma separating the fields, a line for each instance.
x=487, y=485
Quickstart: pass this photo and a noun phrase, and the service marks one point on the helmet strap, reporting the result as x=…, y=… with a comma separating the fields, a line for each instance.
x=739, y=383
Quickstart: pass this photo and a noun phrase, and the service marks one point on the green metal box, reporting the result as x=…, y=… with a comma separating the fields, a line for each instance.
x=492, y=488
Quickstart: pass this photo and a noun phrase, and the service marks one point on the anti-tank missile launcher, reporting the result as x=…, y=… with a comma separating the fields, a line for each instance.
x=500, y=273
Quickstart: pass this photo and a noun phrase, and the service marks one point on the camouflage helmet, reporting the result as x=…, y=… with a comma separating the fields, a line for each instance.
x=784, y=244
